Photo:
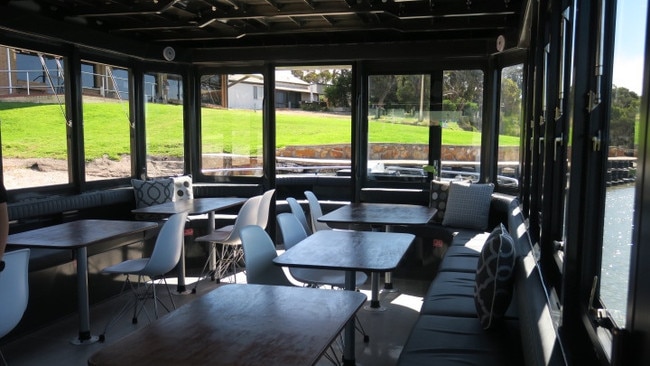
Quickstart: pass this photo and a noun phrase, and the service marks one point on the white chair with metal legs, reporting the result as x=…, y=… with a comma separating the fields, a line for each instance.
x=297, y=210
x=315, y=211
x=259, y=252
x=164, y=258
x=14, y=291
x=226, y=244
x=264, y=209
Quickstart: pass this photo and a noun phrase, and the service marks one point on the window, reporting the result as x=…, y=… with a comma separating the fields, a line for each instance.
x=33, y=115
x=313, y=120
x=462, y=123
x=398, y=127
x=622, y=158
x=231, y=125
x=107, y=121
x=510, y=119
x=164, y=124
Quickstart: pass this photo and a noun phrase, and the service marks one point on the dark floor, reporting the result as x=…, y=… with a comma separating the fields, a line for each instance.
x=387, y=329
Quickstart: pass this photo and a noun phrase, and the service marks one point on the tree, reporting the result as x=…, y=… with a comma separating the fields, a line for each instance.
x=339, y=93
x=465, y=89
x=625, y=105
x=314, y=76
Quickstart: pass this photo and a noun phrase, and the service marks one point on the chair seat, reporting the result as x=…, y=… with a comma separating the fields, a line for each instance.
x=325, y=277
x=130, y=266
x=216, y=236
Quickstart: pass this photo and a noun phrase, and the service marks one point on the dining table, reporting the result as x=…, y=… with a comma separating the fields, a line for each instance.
x=78, y=236
x=240, y=324
x=351, y=251
x=381, y=216
x=194, y=206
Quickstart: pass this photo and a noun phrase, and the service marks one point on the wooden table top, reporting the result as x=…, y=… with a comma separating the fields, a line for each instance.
x=240, y=324
x=193, y=207
x=380, y=214
x=348, y=250
x=79, y=233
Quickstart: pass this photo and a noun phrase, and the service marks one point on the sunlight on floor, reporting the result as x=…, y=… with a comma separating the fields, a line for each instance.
x=411, y=302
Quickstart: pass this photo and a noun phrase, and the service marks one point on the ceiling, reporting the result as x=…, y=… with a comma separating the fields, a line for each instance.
x=210, y=24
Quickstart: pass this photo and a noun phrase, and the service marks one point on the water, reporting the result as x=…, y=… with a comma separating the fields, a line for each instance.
x=617, y=245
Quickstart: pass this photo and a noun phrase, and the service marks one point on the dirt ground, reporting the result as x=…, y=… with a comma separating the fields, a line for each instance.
x=23, y=173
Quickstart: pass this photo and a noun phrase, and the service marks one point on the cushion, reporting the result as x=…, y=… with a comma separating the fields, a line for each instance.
x=182, y=188
x=494, y=277
x=152, y=192
x=468, y=205
x=438, y=193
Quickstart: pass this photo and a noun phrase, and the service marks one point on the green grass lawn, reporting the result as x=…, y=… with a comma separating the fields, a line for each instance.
x=38, y=130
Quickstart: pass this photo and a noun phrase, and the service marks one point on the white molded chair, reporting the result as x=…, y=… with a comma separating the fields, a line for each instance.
x=292, y=233
x=229, y=251
x=265, y=206
x=297, y=210
x=259, y=252
x=315, y=211
x=164, y=258
x=14, y=291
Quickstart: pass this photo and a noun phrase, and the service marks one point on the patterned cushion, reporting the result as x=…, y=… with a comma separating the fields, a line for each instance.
x=152, y=192
x=438, y=194
x=182, y=188
x=494, y=277
x=468, y=205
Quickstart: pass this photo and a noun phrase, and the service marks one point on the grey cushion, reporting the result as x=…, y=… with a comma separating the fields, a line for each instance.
x=438, y=194
x=152, y=192
x=468, y=205
x=494, y=277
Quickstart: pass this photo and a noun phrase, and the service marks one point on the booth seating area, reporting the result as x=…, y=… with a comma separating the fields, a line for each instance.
x=514, y=326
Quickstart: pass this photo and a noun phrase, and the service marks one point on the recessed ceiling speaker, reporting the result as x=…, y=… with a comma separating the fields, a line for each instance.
x=501, y=43
x=169, y=53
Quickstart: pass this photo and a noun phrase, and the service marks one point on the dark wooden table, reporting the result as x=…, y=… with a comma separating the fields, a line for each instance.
x=78, y=236
x=196, y=206
x=384, y=215
x=238, y=324
x=350, y=251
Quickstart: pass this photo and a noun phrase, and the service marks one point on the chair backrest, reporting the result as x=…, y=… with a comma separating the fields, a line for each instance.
x=297, y=210
x=315, y=212
x=247, y=215
x=14, y=289
x=169, y=244
x=259, y=252
x=291, y=229
x=265, y=206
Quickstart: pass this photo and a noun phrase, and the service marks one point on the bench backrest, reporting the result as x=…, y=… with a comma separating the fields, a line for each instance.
x=540, y=342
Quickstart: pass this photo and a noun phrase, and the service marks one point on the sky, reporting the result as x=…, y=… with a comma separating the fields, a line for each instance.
x=630, y=44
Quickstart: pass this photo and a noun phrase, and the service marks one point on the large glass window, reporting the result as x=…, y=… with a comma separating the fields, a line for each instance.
x=313, y=120
x=33, y=119
x=231, y=124
x=398, y=127
x=622, y=157
x=164, y=124
x=462, y=123
x=510, y=128
x=106, y=121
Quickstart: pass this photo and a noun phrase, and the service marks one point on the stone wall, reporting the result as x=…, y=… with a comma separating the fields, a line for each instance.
x=395, y=152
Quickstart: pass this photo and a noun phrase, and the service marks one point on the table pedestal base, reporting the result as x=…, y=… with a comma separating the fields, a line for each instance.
x=78, y=341
x=388, y=283
x=374, y=296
